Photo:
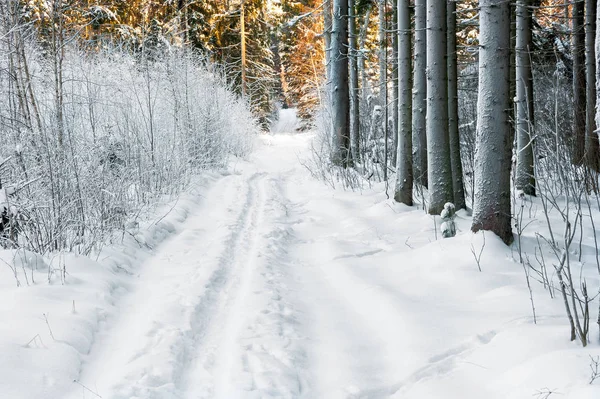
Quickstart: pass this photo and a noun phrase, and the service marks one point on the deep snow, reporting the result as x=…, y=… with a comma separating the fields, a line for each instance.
x=269, y=284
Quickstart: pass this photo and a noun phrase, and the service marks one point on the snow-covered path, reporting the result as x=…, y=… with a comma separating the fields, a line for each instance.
x=207, y=317
x=280, y=287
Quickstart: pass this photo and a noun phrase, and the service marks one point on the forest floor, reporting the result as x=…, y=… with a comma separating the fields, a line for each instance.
x=269, y=284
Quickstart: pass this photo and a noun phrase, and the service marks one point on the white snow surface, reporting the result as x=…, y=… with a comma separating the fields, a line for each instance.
x=265, y=283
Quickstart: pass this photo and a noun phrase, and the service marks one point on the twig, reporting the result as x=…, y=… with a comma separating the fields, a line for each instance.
x=48, y=324
x=478, y=257
x=87, y=389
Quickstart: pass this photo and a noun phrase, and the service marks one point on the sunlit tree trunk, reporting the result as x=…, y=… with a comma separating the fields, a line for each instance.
x=493, y=142
x=404, y=172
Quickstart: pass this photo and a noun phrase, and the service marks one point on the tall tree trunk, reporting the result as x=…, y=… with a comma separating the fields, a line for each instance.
x=362, y=40
x=404, y=172
x=419, y=99
x=383, y=92
x=525, y=178
x=243, y=48
x=340, y=94
x=597, y=48
x=579, y=90
x=591, y=137
x=327, y=26
x=395, y=88
x=438, y=147
x=354, y=95
x=455, y=160
x=493, y=142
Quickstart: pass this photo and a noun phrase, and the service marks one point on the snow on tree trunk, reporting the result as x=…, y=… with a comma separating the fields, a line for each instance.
x=579, y=84
x=524, y=179
x=340, y=94
x=493, y=142
x=591, y=137
x=438, y=147
x=404, y=172
x=419, y=99
x=456, y=163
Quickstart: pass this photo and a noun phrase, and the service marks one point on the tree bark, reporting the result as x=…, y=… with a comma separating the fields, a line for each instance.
x=591, y=137
x=525, y=177
x=383, y=92
x=340, y=94
x=365, y=89
x=419, y=99
x=438, y=147
x=354, y=95
x=597, y=60
x=404, y=172
x=493, y=142
x=395, y=88
x=327, y=26
x=453, y=133
x=579, y=83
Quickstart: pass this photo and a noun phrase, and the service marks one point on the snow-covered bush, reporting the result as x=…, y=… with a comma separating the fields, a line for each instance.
x=91, y=141
x=448, y=227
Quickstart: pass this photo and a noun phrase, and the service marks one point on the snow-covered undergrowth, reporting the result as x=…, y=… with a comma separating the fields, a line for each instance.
x=91, y=142
x=53, y=319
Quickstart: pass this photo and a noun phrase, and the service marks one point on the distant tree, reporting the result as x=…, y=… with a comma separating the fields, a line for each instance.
x=302, y=56
x=493, y=142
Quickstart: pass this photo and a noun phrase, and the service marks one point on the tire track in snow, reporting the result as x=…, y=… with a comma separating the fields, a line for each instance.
x=252, y=348
x=274, y=355
x=223, y=291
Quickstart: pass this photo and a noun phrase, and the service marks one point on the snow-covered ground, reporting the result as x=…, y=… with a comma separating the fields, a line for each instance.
x=264, y=283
